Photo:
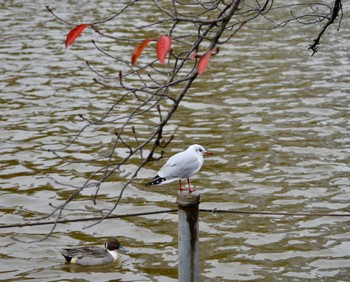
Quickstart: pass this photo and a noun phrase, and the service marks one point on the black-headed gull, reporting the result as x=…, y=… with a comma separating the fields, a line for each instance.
x=181, y=166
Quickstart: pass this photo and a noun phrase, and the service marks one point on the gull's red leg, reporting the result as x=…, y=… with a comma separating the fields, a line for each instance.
x=189, y=186
x=181, y=189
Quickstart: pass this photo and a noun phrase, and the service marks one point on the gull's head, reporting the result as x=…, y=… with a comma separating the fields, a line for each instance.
x=199, y=150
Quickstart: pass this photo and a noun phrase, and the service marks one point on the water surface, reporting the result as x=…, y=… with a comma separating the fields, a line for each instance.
x=276, y=119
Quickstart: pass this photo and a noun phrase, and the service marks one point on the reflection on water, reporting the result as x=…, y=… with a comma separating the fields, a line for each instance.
x=276, y=119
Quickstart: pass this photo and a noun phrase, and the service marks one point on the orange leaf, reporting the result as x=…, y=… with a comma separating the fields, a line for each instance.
x=163, y=47
x=138, y=50
x=74, y=33
x=203, y=62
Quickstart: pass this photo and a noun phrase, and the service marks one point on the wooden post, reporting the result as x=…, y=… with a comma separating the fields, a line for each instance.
x=188, y=245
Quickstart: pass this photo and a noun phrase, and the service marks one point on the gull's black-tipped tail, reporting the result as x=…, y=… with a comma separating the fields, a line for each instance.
x=156, y=180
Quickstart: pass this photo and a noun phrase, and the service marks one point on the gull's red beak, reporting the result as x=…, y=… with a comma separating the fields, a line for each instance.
x=206, y=152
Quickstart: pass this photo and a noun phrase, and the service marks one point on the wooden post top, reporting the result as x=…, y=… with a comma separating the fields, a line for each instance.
x=184, y=198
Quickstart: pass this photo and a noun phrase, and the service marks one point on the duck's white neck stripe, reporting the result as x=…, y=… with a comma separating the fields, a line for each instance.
x=113, y=253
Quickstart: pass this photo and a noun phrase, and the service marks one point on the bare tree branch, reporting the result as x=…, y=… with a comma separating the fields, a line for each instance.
x=147, y=89
x=337, y=9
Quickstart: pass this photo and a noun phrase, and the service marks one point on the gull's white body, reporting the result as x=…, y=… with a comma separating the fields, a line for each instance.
x=183, y=165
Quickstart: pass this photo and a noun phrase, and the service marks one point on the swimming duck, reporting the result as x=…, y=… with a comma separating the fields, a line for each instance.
x=89, y=256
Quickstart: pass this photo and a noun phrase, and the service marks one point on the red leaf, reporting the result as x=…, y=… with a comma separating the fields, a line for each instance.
x=203, y=62
x=193, y=55
x=138, y=50
x=74, y=33
x=163, y=47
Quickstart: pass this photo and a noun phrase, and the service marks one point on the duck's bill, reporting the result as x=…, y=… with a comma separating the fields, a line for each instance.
x=123, y=249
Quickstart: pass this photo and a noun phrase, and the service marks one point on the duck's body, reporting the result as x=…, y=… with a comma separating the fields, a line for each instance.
x=90, y=256
x=180, y=166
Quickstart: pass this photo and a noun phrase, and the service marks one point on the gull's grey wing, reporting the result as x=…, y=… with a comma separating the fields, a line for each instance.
x=181, y=165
